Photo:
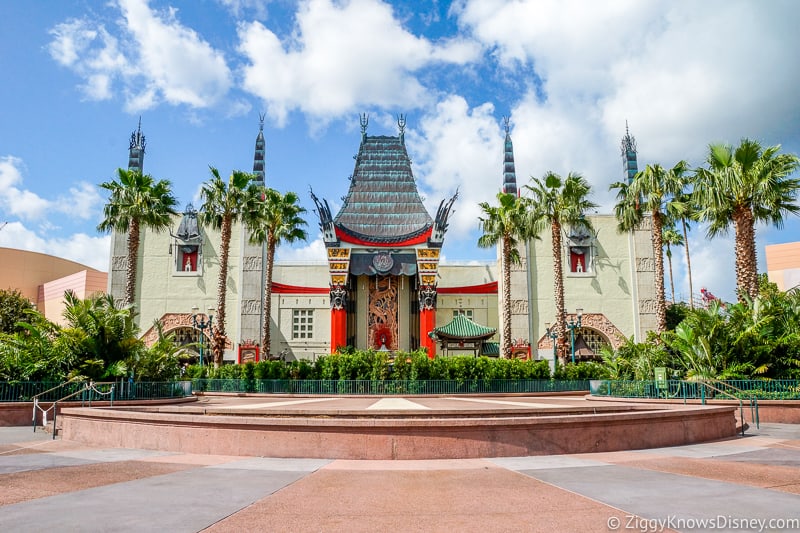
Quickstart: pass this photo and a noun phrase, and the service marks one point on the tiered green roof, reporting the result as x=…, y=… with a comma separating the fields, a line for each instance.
x=383, y=205
x=462, y=327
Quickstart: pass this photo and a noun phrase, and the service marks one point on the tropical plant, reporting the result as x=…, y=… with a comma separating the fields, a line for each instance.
x=30, y=353
x=225, y=204
x=741, y=187
x=649, y=192
x=137, y=202
x=13, y=308
x=276, y=219
x=509, y=225
x=555, y=203
x=160, y=361
x=671, y=238
x=100, y=333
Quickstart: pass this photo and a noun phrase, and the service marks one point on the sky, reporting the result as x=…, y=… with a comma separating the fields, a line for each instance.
x=569, y=75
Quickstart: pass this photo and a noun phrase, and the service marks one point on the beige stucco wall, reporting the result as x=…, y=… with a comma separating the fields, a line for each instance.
x=783, y=264
x=162, y=288
x=482, y=305
x=620, y=287
x=84, y=284
x=43, y=279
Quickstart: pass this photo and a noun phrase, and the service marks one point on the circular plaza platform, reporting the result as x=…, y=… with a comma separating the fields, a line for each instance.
x=413, y=427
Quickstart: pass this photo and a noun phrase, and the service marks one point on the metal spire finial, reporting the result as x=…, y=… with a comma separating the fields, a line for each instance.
x=506, y=121
x=261, y=117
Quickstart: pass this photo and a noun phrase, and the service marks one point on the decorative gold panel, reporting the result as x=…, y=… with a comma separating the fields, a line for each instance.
x=427, y=253
x=338, y=253
x=383, y=308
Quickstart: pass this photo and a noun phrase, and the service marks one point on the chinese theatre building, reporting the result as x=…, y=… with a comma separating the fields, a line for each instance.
x=383, y=252
x=381, y=283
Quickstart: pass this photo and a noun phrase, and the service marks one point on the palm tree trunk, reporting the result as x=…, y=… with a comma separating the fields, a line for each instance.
x=658, y=243
x=745, y=249
x=506, y=336
x=558, y=288
x=222, y=288
x=133, y=257
x=688, y=264
x=265, y=335
x=671, y=280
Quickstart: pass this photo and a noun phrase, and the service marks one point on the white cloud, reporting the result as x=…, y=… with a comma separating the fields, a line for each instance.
x=342, y=57
x=240, y=7
x=165, y=60
x=175, y=59
x=81, y=248
x=682, y=73
x=458, y=148
x=83, y=201
x=311, y=252
x=15, y=201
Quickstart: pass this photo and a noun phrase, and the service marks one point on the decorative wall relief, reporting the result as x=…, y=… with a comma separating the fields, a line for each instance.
x=119, y=262
x=645, y=264
x=596, y=321
x=519, y=307
x=251, y=263
x=251, y=307
x=382, y=323
x=648, y=306
x=173, y=321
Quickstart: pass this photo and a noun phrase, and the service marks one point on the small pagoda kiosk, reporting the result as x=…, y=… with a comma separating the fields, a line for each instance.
x=383, y=251
x=462, y=336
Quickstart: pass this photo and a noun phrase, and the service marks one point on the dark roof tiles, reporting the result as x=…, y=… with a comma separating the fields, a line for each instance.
x=383, y=204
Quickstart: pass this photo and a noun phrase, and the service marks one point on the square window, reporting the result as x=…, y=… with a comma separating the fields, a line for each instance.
x=302, y=323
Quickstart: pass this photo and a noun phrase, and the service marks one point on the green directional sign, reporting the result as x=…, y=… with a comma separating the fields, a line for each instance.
x=661, y=375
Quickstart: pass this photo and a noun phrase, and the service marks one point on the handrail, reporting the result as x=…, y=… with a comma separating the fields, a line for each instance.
x=753, y=399
x=71, y=380
x=87, y=386
x=705, y=383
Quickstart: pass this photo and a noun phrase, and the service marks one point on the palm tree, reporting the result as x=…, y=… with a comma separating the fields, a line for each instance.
x=741, y=187
x=224, y=204
x=683, y=209
x=508, y=225
x=670, y=237
x=650, y=191
x=137, y=202
x=277, y=219
x=557, y=202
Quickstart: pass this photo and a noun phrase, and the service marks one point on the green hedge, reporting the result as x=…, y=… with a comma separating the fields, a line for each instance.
x=373, y=365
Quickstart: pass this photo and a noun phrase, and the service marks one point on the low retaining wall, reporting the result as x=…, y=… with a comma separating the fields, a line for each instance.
x=411, y=438
x=770, y=411
x=14, y=414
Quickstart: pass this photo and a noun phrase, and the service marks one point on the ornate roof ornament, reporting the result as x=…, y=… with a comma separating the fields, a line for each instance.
x=509, y=170
x=628, y=149
x=440, y=223
x=323, y=211
x=259, y=158
x=364, y=119
x=136, y=149
x=401, y=126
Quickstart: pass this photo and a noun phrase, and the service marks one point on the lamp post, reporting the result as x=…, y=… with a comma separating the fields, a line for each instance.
x=572, y=325
x=553, y=334
x=202, y=322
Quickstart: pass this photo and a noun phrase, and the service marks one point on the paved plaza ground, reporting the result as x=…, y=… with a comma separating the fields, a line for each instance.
x=749, y=483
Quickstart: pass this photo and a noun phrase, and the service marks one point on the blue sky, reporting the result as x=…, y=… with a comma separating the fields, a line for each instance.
x=569, y=74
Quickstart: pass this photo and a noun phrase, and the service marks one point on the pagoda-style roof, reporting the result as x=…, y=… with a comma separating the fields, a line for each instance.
x=383, y=206
x=462, y=328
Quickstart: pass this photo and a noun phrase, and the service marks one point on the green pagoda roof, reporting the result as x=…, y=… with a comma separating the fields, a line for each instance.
x=383, y=205
x=462, y=327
